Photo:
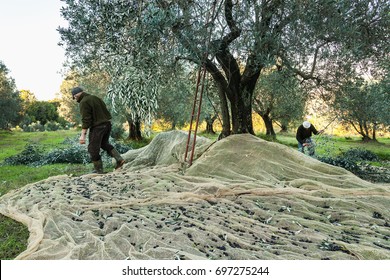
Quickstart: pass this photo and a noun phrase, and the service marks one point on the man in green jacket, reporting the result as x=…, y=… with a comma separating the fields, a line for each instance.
x=96, y=118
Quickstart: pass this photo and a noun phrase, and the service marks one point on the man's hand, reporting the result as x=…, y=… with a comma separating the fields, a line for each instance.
x=321, y=131
x=82, y=139
x=83, y=136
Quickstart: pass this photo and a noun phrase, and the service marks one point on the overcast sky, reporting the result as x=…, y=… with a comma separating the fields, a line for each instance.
x=29, y=44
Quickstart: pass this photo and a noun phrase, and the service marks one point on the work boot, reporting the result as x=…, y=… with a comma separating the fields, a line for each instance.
x=98, y=167
x=119, y=160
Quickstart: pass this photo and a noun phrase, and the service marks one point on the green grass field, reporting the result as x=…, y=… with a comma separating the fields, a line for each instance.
x=16, y=176
x=333, y=146
x=13, y=235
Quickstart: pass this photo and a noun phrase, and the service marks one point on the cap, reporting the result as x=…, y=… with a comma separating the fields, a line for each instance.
x=306, y=124
x=76, y=90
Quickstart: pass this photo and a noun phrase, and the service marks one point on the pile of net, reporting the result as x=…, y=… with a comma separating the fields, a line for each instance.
x=242, y=198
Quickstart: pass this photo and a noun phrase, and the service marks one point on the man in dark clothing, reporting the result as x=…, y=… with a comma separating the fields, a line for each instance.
x=97, y=119
x=303, y=136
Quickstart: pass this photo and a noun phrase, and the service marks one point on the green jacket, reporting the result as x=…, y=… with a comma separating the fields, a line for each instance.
x=93, y=111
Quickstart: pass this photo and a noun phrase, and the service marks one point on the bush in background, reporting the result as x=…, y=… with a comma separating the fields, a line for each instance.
x=73, y=153
x=356, y=161
x=30, y=154
x=33, y=127
x=360, y=155
x=49, y=126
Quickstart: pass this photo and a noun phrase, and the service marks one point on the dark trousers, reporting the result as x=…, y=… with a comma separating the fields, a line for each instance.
x=98, y=138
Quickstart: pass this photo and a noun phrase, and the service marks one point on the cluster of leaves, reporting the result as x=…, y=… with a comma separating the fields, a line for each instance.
x=341, y=162
x=360, y=155
x=74, y=153
x=31, y=153
x=351, y=160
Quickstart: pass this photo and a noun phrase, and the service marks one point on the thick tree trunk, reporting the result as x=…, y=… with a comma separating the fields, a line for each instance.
x=134, y=129
x=268, y=126
x=374, y=132
x=242, y=115
x=209, y=123
x=173, y=126
x=220, y=82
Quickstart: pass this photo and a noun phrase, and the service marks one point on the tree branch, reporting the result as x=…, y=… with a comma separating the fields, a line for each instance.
x=235, y=32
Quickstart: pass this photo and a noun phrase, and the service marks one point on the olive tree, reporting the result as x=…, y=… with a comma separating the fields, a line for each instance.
x=279, y=97
x=10, y=102
x=314, y=39
x=365, y=106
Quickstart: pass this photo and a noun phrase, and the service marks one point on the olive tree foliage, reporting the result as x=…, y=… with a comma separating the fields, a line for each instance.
x=176, y=99
x=313, y=39
x=133, y=91
x=279, y=97
x=365, y=106
x=110, y=36
x=317, y=40
x=10, y=102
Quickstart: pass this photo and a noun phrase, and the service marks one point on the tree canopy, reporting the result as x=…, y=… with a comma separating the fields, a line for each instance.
x=279, y=97
x=318, y=41
x=10, y=103
x=365, y=106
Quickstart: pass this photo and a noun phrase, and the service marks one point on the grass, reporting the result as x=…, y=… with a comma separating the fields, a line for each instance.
x=333, y=146
x=13, y=235
x=13, y=238
x=16, y=176
x=12, y=143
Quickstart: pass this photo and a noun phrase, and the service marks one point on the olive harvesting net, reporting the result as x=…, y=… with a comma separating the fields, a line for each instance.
x=242, y=198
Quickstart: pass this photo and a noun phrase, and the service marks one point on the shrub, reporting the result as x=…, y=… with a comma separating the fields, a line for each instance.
x=121, y=148
x=35, y=126
x=360, y=155
x=341, y=162
x=52, y=126
x=74, y=153
x=29, y=155
x=353, y=160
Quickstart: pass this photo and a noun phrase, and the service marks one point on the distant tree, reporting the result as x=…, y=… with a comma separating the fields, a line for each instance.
x=176, y=99
x=364, y=106
x=92, y=82
x=42, y=111
x=175, y=102
x=279, y=97
x=10, y=102
x=27, y=96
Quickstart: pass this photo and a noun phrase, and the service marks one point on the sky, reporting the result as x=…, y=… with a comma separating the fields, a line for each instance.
x=29, y=45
